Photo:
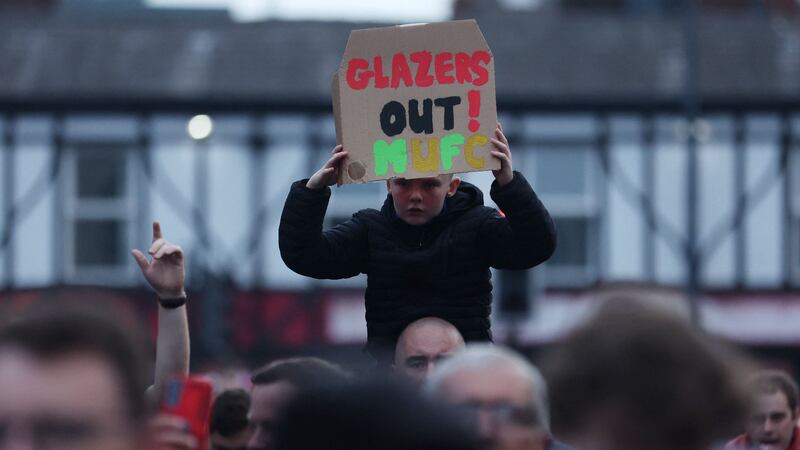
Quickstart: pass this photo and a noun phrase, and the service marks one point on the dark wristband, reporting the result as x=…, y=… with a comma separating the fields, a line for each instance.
x=172, y=303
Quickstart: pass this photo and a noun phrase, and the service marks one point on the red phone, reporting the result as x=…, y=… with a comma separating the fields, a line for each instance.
x=190, y=398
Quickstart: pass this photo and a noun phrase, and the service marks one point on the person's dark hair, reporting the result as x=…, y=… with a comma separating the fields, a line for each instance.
x=229, y=413
x=372, y=415
x=772, y=381
x=60, y=332
x=303, y=373
x=656, y=381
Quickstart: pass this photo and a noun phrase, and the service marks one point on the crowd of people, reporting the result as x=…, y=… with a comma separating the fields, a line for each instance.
x=633, y=376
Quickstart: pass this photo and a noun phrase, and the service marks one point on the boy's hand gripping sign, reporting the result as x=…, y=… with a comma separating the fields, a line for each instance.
x=415, y=101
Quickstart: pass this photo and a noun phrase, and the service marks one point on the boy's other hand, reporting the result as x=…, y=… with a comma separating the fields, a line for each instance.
x=164, y=272
x=329, y=173
x=505, y=173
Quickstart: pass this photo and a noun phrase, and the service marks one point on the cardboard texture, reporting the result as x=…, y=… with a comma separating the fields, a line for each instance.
x=415, y=101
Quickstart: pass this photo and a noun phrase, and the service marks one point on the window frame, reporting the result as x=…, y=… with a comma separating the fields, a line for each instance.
x=586, y=205
x=123, y=208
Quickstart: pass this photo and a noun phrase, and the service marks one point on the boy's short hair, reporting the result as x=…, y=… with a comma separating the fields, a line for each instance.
x=449, y=176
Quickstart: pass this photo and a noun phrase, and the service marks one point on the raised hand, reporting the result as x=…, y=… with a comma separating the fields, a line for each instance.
x=502, y=151
x=164, y=271
x=329, y=173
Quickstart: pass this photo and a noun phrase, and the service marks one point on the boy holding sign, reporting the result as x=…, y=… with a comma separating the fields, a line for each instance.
x=428, y=251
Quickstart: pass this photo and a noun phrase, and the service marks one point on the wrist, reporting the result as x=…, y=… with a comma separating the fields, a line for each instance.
x=171, y=294
x=504, y=180
x=172, y=302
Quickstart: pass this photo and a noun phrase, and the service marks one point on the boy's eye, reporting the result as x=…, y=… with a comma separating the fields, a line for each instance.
x=432, y=184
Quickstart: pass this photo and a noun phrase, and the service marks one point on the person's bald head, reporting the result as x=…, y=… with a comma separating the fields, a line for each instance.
x=424, y=343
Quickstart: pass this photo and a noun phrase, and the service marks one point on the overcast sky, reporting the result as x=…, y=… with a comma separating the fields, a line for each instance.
x=402, y=11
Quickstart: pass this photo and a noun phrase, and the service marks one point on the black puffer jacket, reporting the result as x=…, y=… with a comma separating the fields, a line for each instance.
x=438, y=269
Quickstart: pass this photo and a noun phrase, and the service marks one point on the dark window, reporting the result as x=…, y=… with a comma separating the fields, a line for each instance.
x=572, y=242
x=98, y=242
x=562, y=171
x=99, y=207
x=101, y=174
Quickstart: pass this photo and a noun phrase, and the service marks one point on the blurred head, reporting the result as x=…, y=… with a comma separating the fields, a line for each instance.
x=278, y=383
x=636, y=377
x=504, y=393
x=774, y=411
x=419, y=200
x=68, y=381
x=423, y=344
x=229, y=428
x=368, y=416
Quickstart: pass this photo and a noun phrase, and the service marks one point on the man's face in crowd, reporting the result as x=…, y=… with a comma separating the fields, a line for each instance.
x=238, y=441
x=772, y=422
x=421, y=347
x=266, y=402
x=419, y=200
x=69, y=402
x=503, y=400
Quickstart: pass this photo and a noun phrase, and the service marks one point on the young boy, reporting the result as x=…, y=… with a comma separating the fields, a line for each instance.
x=427, y=252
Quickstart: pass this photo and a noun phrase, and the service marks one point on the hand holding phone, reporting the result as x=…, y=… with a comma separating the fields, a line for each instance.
x=190, y=399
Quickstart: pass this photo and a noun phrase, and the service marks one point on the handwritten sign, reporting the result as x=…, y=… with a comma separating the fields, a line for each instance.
x=415, y=101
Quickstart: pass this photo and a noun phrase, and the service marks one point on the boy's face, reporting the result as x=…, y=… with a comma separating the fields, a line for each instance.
x=419, y=200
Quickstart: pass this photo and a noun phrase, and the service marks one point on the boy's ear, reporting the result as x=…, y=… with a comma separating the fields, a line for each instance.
x=453, y=186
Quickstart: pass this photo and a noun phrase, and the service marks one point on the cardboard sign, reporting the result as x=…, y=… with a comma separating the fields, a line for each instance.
x=415, y=101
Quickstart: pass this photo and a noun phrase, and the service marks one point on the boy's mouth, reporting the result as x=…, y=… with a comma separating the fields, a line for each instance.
x=415, y=210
